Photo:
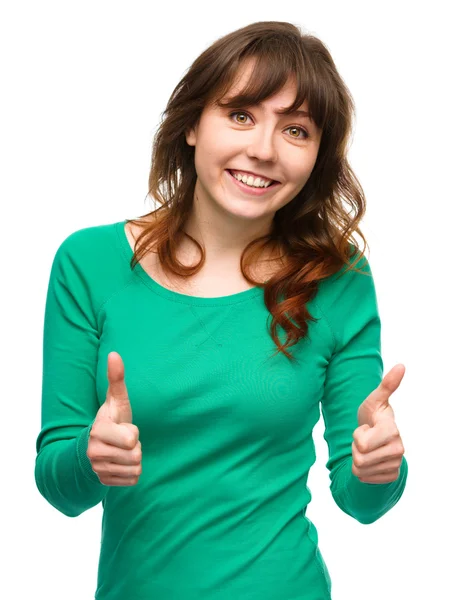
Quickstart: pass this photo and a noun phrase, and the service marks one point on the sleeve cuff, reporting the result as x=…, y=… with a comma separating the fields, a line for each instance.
x=367, y=502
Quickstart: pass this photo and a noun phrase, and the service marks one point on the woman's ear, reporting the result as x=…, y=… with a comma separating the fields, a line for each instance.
x=191, y=136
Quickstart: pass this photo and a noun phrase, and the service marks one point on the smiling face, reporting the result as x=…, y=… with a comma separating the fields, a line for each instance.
x=258, y=140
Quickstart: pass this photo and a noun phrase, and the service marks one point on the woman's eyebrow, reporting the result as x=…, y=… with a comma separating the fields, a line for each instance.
x=294, y=113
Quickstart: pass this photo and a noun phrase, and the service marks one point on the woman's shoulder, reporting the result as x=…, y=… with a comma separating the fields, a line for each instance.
x=90, y=232
x=85, y=248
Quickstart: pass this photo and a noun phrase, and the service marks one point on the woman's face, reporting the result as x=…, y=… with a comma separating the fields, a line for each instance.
x=279, y=147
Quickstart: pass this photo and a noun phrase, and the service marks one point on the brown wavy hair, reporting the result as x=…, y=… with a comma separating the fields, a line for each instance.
x=314, y=230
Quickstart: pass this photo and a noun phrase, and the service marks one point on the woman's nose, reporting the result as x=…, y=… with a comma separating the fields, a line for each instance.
x=262, y=146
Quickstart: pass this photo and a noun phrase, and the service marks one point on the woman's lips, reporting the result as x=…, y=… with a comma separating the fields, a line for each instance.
x=252, y=191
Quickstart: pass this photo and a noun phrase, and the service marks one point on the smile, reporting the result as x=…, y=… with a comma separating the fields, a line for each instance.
x=252, y=191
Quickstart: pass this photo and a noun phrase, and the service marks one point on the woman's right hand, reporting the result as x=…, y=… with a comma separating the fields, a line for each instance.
x=114, y=448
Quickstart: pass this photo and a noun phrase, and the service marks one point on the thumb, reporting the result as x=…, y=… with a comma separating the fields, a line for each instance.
x=117, y=399
x=380, y=397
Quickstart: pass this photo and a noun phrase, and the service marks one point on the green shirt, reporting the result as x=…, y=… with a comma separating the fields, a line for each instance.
x=218, y=512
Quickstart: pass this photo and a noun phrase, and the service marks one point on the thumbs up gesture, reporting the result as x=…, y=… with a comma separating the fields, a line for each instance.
x=377, y=448
x=114, y=448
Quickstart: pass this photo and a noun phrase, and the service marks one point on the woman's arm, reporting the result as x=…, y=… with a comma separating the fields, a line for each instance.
x=354, y=371
x=63, y=472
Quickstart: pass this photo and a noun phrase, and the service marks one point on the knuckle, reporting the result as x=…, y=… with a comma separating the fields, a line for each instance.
x=399, y=449
x=362, y=446
x=133, y=429
x=132, y=440
x=359, y=442
x=360, y=461
x=393, y=430
x=91, y=453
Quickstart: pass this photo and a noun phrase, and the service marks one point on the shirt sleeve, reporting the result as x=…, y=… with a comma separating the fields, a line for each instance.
x=63, y=472
x=353, y=372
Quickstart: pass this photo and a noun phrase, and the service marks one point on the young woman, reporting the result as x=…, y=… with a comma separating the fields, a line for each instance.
x=169, y=391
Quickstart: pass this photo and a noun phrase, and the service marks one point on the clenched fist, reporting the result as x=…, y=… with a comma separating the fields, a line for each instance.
x=114, y=448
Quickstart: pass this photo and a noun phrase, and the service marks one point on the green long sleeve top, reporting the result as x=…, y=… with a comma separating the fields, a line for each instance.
x=218, y=512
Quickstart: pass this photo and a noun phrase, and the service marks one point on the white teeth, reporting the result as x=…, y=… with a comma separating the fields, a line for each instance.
x=250, y=181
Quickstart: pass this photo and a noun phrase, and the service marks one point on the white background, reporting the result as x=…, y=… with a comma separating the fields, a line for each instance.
x=84, y=85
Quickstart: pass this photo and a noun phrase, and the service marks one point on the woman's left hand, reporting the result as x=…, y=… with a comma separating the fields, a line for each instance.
x=377, y=447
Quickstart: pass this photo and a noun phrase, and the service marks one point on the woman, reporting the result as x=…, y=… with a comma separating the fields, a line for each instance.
x=163, y=397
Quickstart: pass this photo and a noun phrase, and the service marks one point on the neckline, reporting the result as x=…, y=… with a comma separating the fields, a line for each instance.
x=171, y=295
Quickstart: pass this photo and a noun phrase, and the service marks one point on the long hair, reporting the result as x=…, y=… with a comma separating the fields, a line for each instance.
x=314, y=230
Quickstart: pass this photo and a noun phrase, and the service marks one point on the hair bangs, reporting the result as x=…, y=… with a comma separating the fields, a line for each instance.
x=269, y=74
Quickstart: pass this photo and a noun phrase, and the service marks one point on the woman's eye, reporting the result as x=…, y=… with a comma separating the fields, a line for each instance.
x=247, y=115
